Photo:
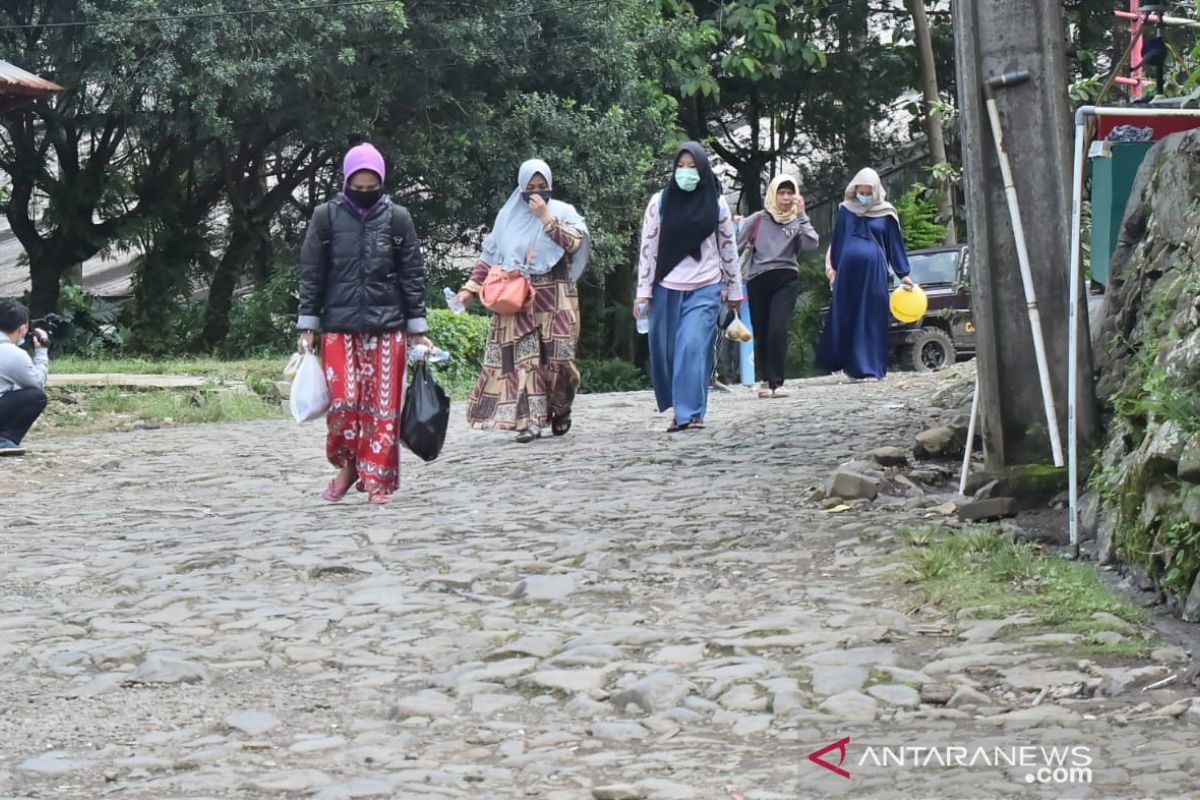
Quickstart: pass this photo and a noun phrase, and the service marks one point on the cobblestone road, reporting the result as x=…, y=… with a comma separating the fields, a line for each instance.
x=620, y=613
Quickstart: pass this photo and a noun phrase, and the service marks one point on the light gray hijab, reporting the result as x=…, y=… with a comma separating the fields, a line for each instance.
x=518, y=240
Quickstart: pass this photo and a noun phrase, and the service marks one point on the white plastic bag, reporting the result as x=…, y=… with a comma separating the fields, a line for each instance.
x=293, y=366
x=310, y=393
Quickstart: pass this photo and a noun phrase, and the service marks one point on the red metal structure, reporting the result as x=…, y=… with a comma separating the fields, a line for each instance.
x=1138, y=19
x=18, y=86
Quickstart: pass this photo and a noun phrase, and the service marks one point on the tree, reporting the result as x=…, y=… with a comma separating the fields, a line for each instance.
x=932, y=118
x=745, y=64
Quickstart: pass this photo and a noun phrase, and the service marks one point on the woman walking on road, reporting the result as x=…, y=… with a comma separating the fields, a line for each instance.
x=688, y=265
x=777, y=236
x=866, y=244
x=362, y=285
x=529, y=378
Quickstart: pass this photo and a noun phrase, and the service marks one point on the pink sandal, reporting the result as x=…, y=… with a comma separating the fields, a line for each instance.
x=333, y=493
x=380, y=499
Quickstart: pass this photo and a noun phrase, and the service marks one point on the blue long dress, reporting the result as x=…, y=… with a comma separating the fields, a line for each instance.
x=855, y=339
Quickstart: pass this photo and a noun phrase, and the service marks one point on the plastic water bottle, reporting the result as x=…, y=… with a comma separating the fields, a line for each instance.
x=643, y=318
x=422, y=353
x=452, y=301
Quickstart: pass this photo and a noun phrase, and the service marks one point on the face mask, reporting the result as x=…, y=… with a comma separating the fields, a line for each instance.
x=545, y=195
x=364, y=200
x=687, y=178
x=866, y=199
x=21, y=342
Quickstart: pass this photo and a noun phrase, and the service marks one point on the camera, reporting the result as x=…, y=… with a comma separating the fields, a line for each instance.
x=48, y=323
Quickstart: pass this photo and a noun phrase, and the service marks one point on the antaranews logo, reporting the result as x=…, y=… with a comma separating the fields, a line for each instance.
x=1050, y=765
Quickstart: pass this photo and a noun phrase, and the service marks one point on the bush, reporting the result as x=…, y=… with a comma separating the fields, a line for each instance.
x=464, y=336
x=611, y=375
x=264, y=321
x=918, y=212
x=84, y=324
x=806, y=321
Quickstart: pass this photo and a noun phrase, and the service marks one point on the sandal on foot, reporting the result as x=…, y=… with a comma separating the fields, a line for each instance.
x=379, y=499
x=334, y=493
x=695, y=425
x=526, y=436
x=764, y=394
x=560, y=426
x=675, y=427
x=780, y=392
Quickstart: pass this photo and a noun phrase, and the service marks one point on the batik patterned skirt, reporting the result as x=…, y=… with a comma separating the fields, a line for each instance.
x=529, y=377
x=365, y=372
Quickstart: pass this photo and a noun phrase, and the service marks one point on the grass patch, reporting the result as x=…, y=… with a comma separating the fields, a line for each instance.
x=981, y=569
x=108, y=408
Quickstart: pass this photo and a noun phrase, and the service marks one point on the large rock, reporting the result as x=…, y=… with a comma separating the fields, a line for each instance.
x=1089, y=516
x=940, y=442
x=850, y=485
x=1166, y=445
x=984, y=510
x=1106, y=542
x=1189, y=460
x=890, y=457
x=1191, y=504
x=658, y=691
x=1191, y=608
x=1148, y=359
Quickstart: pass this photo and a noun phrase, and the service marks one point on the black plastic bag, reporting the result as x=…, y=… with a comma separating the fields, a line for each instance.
x=425, y=416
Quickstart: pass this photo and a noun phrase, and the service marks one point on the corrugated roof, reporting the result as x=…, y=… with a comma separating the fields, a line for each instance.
x=17, y=86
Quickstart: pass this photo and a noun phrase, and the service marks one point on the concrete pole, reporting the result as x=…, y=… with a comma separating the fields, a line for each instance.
x=992, y=38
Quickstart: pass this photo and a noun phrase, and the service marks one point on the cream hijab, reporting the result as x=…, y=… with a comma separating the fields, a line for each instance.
x=771, y=202
x=880, y=207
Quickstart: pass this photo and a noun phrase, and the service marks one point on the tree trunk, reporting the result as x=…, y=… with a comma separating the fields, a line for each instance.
x=933, y=120
x=46, y=280
x=244, y=242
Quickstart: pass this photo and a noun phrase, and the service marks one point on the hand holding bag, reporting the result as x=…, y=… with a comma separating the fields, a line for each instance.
x=425, y=416
x=309, y=398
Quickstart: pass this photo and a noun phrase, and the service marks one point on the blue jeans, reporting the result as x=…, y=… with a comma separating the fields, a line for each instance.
x=683, y=327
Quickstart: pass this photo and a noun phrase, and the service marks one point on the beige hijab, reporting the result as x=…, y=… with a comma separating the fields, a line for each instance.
x=771, y=202
x=880, y=208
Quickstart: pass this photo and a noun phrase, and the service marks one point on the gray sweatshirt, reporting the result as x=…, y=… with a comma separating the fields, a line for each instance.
x=776, y=246
x=18, y=370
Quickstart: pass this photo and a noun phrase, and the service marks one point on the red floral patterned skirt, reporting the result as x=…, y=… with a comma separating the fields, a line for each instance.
x=365, y=372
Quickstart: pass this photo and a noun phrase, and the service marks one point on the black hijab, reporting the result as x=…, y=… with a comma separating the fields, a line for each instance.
x=687, y=218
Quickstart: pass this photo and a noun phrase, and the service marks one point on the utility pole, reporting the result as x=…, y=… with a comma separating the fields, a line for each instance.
x=990, y=39
x=933, y=120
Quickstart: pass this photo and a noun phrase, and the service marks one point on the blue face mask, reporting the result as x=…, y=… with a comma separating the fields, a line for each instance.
x=865, y=199
x=687, y=178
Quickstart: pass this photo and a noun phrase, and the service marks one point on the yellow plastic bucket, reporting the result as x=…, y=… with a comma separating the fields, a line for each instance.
x=909, y=305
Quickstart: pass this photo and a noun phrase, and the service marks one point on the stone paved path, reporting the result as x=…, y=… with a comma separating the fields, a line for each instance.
x=622, y=613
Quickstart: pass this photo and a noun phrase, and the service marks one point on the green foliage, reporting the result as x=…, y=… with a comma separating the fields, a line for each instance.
x=918, y=210
x=611, y=375
x=84, y=324
x=803, y=332
x=263, y=321
x=1180, y=543
x=464, y=336
x=983, y=570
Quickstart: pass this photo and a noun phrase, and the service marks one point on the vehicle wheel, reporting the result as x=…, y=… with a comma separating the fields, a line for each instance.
x=931, y=349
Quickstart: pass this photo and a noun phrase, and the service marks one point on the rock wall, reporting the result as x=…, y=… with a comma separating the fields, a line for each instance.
x=1143, y=504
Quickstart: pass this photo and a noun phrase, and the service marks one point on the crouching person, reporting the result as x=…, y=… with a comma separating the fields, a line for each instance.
x=22, y=379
